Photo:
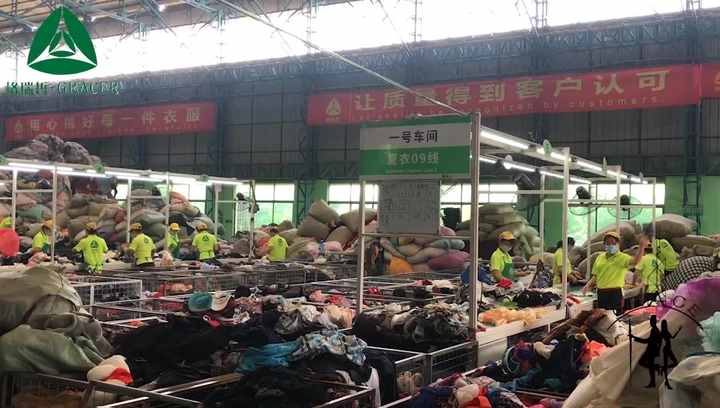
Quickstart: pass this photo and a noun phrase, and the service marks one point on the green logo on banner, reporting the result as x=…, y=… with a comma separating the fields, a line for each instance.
x=62, y=45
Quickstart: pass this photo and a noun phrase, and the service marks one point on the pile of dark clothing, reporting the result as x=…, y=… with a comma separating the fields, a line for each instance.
x=274, y=387
x=425, y=329
x=598, y=325
x=535, y=298
x=474, y=390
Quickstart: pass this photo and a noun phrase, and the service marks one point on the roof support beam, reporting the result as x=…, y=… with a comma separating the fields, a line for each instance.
x=19, y=20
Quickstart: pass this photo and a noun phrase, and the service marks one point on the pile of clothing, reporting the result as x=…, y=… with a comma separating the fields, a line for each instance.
x=475, y=390
x=274, y=387
x=83, y=200
x=425, y=329
x=40, y=311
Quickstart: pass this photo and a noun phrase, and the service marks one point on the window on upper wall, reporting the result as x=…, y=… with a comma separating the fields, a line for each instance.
x=460, y=195
x=605, y=216
x=344, y=197
x=276, y=202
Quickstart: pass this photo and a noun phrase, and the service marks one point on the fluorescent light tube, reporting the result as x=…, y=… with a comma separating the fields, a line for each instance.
x=590, y=166
x=615, y=174
x=555, y=155
x=499, y=138
x=521, y=167
x=227, y=182
x=635, y=179
x=579, y=180
x=183, y=180
x=81, y=174
x=35, y=166
x=487, y=160
x=551, y=174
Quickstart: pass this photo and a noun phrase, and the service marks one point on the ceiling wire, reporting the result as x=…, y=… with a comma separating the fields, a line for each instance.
x=392, y=24
x=342, y=58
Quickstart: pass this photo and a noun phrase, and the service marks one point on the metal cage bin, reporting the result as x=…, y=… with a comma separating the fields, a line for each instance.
x=454, y=359
x=102, y=289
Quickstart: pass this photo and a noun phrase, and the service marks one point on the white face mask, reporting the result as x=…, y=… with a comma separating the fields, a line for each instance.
x=505, y=247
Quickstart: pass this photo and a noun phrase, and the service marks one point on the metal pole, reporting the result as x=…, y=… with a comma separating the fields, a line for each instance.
x=167, y=210
x=474, y=187
x=617, y=202
x=14, y=197
x=588, y=268
x=216, y=191
x=361, y=254
x=252, y=219
x=541, y=223
x=566, y=256
x=128, y=202
x=54, y=215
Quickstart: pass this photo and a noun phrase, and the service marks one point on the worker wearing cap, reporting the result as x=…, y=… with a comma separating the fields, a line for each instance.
x=6, y=223
x=41, y=242
x=141, y=246
x=93, y=249
x=204, y=243
x=277, y=246
x=172, y=240
x=501, y=264
x=663, y=250
x=608, y=272
x=558, y=259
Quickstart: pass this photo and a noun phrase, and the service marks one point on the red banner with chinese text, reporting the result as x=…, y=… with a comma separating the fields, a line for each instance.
x=641, y=88
x=169, y=119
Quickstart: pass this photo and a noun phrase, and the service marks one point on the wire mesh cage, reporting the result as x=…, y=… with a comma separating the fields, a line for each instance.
x=41, y=390
x=102, y=289
x=169, y=283
x=409, y=366
x=454, y=359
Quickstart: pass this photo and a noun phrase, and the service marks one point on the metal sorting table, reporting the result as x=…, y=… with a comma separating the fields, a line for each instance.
x=185, y=395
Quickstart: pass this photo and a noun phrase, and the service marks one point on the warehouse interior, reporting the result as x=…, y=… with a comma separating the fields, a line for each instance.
x=283, y=120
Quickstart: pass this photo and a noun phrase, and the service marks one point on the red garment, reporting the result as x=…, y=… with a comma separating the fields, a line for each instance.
x=121, y=374
x=591, y=350
x=479, y=402
x=505, y=283
x=9, y=242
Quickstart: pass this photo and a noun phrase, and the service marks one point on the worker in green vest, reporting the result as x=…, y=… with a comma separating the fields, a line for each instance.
x=41, y=242
x=93, y=249
x=172, y=240
x=663, y=250
x=501, y=263
x=205, y=244
x=609, y=270
x=141, y=246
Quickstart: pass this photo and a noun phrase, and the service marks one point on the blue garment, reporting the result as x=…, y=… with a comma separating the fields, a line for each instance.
x=333, y=342
x=484, y=275
x=431, y=397
x=270, y=355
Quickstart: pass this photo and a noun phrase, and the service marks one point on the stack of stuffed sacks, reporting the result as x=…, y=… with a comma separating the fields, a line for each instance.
x=33, y=208
x=413, y=254
x=337, y=233
x=74, y=211
x=497, y=218
x=322, y=225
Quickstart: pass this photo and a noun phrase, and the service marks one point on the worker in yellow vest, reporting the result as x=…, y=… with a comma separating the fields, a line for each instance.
x=205, y=244
x=41, y=240
x=609, y=270
x=141, y=246
x=93, y=249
